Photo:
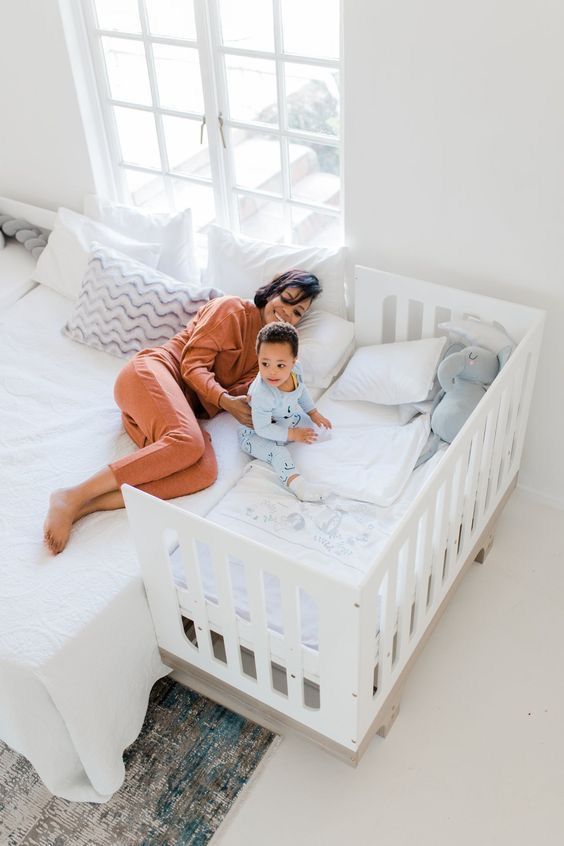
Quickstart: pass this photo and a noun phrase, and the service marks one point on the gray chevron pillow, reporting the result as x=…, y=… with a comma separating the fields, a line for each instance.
x=125, y=306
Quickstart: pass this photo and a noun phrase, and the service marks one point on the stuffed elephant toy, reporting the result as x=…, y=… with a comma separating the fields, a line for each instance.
x=464, y=377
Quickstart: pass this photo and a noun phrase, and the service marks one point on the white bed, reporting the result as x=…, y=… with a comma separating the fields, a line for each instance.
x=78, y=653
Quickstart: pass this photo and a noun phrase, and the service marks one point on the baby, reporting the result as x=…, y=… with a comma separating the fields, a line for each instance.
x=282, y=409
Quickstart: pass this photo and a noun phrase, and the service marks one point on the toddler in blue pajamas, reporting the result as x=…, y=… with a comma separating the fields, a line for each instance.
x=282, y=409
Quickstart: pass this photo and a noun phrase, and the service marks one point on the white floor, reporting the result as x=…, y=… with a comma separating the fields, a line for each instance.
x=476, y=755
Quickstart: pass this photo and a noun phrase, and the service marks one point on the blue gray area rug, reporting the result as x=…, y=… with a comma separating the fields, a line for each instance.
x=183, y=774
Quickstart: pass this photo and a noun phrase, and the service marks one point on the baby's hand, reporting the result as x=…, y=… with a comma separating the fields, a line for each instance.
x=300, y=433
x=320, y=420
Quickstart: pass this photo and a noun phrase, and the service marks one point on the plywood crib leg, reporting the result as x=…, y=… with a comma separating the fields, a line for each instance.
x=485, y=550
x=389, y=718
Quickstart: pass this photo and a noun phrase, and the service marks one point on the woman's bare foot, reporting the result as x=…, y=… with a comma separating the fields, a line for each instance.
x=64, y=506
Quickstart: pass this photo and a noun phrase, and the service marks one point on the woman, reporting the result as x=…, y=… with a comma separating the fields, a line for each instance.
x=205, y=368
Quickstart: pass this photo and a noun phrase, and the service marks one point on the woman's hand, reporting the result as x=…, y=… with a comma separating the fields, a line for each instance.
x=238, y=407
x=320, y=420
x=303, y=434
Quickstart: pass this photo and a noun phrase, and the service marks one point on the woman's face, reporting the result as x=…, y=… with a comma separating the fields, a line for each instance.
x=284, y=308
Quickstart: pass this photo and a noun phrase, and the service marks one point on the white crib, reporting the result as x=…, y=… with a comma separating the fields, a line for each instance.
x=348, y=689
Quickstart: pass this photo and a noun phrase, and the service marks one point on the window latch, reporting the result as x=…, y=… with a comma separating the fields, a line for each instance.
x=220, y=121
x=202, y=129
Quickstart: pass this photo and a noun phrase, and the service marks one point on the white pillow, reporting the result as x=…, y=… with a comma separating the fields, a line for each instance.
x=326, y=344
x=63, y=262
x=357, y=413
x=172, y=231
x=239, y=265
x=391, y=374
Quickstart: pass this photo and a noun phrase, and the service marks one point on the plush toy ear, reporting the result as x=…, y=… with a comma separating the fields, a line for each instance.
x=504, y=354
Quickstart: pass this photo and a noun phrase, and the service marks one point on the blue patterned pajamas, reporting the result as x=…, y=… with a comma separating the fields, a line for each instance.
x=274, y=412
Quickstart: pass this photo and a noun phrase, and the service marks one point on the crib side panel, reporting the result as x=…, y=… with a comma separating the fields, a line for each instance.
x=432, y=544
x=218, y=626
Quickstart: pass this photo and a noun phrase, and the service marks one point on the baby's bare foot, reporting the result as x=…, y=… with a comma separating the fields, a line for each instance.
x=63, y=511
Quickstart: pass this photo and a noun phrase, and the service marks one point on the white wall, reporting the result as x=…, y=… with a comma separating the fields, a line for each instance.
x=454, y=163
x=43, y=155
x=454, y=167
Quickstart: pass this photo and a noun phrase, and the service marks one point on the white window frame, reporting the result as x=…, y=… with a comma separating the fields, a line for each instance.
x=96, y=102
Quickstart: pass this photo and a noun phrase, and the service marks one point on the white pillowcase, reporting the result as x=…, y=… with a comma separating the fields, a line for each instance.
x=357, y=413
x=63, y=262
x=326, y=344
x=391, y=374
x=172, y=231
x=239, y=265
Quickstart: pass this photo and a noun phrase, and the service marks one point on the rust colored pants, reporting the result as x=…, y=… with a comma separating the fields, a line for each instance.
x=175, y=456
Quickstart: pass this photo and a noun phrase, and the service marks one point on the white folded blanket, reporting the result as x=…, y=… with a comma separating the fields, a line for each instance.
x=366, y=463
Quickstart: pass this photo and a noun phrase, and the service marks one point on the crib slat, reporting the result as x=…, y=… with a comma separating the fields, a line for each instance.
x=225, y=595
x=424, y=557
x=428, y=321
x=439, y=544
x=389, y=616
x=292, y=640
x=471, y=487
x=517, y=414
x=193, y=578
x=402, y=319
x=499, y=437
x=485, y=464
x=407, y=560
x=455, y=518
x=261, y=646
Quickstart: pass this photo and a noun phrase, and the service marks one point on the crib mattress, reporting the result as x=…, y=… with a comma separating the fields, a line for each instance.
x=78, y=653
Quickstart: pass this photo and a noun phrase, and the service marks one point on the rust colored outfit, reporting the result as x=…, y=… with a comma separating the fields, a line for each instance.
x=163, y=390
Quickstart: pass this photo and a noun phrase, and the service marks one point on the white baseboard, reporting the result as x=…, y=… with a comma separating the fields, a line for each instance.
x=544, y=498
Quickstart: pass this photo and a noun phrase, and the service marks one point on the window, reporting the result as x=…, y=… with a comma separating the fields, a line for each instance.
x=229, y=107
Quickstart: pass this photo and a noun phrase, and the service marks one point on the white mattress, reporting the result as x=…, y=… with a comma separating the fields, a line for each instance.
x=78, y=654
x=16, y=266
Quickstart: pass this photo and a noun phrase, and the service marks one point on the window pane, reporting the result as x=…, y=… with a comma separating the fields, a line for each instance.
x=172, y=18
x=127, y=70
x=147, y=190
x=247, y=23
x=178, y=78
x=199, y=198
x=138, y=137
x=261, y=218
x=121, y=15
x=312, y=98
x=311, y=27
x=252, y=89
x=314, y=173
x=313, y=227
x=185, y=153
x=257, y=160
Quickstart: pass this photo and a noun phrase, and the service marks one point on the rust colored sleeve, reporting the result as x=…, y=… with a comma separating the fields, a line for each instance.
x=218, y=329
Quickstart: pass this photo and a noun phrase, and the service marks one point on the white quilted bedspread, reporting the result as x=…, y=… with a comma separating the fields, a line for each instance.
x=78, y=654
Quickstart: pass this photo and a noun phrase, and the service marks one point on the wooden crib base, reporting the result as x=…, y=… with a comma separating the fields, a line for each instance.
x=252, y=709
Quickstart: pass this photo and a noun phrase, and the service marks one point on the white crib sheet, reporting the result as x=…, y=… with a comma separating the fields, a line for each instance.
x=340, y=537
x=78, y=653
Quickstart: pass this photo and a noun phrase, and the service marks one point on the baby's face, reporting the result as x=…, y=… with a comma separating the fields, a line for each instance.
x=275, y=363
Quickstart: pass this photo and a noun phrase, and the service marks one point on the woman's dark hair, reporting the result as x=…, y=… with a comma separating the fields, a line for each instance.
x=278, y=333
x=308, y=283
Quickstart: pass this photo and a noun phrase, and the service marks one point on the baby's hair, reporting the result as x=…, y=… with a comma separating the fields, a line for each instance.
x=278, y=333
